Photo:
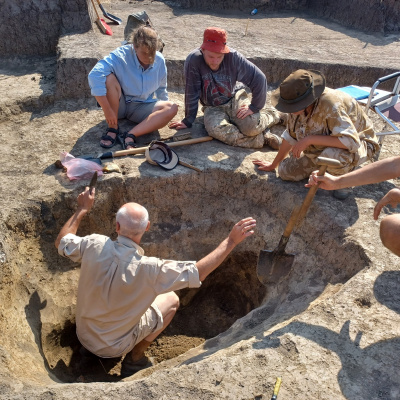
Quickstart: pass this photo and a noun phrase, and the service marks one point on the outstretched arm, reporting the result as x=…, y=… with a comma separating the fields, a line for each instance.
x=282, y=153
x=85, y=204
x=240, y=231
x=371, y=173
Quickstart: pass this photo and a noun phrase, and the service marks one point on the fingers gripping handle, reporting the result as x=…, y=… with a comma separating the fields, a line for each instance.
x=324, y=163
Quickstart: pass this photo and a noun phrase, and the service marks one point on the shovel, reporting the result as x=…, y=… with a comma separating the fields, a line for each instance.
x=101, y=23
x=141, y=150
x=110, y=16
x=274, y=265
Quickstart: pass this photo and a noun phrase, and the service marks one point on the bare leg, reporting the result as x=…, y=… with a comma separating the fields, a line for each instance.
x=111, y=104
x=163, y=112
x=168, y=304
x=390, y=233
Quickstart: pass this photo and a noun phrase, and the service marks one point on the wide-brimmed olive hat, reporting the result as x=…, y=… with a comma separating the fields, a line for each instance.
x=300, y=89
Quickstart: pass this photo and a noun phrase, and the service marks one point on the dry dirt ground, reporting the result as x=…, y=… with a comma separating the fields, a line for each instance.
x=331, y=329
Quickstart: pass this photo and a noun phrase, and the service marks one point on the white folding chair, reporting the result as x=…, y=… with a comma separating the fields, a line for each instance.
x=385, y=104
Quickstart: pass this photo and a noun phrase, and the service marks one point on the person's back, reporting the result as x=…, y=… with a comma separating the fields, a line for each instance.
x=125, y=300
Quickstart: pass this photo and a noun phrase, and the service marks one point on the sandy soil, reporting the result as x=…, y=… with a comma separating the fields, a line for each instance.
x=331, y=283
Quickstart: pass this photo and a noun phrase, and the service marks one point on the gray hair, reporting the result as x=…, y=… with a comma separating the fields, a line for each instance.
x=129, y=225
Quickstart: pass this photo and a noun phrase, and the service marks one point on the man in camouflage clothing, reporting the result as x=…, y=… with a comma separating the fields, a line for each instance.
x=322, y=122
x=216, y=74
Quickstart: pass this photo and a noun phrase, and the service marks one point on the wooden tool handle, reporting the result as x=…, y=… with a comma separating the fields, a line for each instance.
x=190, y=166
x=324, y=163
x=292, y=222
x=141, y=150
x=95, y=10
x=298, y=214
x=309, y=198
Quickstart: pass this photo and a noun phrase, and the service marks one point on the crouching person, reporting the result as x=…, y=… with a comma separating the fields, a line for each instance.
x=125, y=299
x=322, y=122
x=217, y=75
x=131, y=82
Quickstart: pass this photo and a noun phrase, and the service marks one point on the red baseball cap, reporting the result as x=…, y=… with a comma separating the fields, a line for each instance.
x=215, y=40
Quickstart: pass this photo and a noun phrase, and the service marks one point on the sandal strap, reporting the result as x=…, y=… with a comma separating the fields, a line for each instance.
x=109, y=138
x=113, y=130
x=131, y=136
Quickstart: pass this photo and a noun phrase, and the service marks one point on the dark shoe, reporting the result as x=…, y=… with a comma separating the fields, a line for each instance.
x=109, y=138
x=122, y=140
x=342, y=194
x=272, y=140
x=283, y=118
x=130, y=367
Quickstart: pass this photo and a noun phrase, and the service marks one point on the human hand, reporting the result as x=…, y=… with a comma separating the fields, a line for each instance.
x=264, y=165
x=242, y=230
x=86, y=199
x=392, y=197
x=243, y=112
x=299, y=147
x=327, y=182
x=176, y=125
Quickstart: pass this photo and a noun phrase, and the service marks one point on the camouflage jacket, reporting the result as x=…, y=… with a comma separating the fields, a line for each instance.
x=337, y=114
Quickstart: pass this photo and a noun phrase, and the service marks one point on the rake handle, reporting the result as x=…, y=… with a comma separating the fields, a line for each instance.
x=95, y=10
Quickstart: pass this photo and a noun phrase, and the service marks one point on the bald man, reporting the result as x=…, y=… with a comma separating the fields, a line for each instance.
x=125, y=299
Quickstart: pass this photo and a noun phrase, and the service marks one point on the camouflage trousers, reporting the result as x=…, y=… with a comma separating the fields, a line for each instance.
x=221, y=122
x=296, y=169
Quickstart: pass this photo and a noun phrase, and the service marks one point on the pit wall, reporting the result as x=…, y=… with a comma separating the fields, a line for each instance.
x=34, y=27
x=38, y=287
x=366, y=15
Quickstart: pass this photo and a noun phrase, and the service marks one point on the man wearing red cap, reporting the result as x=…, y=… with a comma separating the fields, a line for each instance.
x=217, y=75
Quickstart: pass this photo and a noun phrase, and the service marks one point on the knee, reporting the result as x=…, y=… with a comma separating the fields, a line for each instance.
x=390, y=233
x=173, y=302
x=171, y=109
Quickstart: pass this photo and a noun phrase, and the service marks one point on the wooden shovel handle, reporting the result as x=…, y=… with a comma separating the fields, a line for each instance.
x=297, y=217
x=141, y=150
x=309, y=198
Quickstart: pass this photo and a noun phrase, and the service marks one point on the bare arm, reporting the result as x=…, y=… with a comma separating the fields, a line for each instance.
x=316, y=140
x=392, y=197
x=85, y=203
x=240, y=231
x=282, y=153
x=371, y=173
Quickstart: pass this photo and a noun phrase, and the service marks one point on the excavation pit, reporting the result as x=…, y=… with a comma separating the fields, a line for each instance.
x=324, y=320
x=185, y=227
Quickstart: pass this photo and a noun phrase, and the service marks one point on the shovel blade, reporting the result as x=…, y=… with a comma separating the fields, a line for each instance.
x=272, y=266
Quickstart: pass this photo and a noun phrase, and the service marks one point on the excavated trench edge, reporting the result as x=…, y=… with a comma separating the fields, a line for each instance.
x=43, y=281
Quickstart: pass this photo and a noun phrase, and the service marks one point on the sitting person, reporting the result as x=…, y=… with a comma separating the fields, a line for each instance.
x=216, y=74
x=131, y=82
x=125, y=299
x=373, y=173
x=322, y=122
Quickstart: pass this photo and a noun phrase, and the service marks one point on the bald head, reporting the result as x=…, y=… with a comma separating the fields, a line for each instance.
x=133, y=220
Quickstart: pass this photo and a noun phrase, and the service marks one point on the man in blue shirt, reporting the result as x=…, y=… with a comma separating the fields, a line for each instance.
x=131, y=82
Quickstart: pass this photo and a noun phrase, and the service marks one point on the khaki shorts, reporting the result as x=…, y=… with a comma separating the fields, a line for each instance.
x=151, y=321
